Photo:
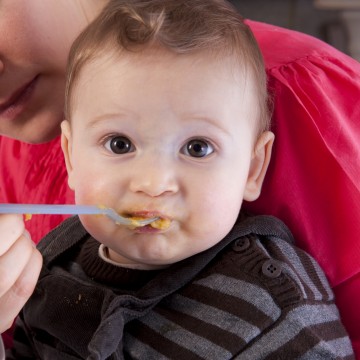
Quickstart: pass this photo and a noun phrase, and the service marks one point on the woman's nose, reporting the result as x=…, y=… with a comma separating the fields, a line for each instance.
x=154, y=179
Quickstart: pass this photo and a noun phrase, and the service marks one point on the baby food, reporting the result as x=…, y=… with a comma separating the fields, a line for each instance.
x=161, y=224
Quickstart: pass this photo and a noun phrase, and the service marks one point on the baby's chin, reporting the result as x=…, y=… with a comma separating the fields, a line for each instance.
x=144, y=262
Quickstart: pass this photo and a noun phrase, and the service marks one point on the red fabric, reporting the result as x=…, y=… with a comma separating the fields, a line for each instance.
x=312, y=180
x=34, y=174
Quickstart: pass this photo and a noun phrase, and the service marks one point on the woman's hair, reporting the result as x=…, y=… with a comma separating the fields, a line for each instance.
x=179, y=26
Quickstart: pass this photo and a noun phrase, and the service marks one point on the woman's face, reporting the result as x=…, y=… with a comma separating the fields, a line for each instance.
x=35, y=39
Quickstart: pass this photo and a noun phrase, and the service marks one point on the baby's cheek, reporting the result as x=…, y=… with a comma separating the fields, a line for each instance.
x=218, y=216
x=88, y=193
x=209, y=227
x=100, y=227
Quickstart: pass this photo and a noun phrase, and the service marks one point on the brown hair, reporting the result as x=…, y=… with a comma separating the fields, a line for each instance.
x=180, y=26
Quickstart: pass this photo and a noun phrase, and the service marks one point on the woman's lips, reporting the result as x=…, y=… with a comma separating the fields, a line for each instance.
x=18, y=100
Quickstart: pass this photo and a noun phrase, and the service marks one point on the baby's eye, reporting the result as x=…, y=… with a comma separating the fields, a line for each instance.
x=119, y=145
x=197, y=148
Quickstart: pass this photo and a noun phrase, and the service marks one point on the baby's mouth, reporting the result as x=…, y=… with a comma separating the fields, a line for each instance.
x=161, y=223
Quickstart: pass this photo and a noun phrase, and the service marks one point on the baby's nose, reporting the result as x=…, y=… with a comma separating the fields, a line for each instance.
x=154, y=179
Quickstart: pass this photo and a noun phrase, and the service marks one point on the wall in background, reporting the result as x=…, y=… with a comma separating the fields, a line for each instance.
x=300, y=15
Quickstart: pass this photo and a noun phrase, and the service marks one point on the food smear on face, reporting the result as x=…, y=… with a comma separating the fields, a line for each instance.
x=160, y=224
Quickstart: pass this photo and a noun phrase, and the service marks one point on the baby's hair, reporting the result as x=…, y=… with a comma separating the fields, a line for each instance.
x=179, y=26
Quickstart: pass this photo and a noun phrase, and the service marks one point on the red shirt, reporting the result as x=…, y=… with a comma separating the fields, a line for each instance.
x=313, y=179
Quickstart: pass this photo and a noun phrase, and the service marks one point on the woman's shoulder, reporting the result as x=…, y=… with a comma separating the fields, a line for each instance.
x=281, y=46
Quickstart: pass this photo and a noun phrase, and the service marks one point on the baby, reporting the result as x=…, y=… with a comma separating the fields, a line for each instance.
x=167, y=116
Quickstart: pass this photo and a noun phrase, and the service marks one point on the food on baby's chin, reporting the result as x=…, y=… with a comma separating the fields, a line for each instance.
x=160, y=224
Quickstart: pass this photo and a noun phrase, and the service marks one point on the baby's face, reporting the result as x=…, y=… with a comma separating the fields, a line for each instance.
x=161, y=135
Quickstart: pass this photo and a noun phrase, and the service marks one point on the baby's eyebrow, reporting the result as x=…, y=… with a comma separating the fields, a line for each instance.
x=208, y=121
x=98, y=119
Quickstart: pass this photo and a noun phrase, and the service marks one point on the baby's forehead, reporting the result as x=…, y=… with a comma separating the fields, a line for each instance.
x=156, y=56
x=203, y=82
x=156, y=61
x=163, y=84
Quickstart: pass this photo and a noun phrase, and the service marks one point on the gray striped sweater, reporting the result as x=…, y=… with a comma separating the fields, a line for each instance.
x=252, y=296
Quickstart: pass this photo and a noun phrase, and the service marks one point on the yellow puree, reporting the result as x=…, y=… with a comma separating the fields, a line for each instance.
x=28, y=217
x=160, y=224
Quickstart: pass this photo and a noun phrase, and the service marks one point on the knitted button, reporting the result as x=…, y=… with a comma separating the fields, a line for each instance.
x=241, y=244
x=271, y=268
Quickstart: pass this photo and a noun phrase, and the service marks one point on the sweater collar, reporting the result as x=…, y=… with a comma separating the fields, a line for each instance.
x=107, y=273
x=71, y=233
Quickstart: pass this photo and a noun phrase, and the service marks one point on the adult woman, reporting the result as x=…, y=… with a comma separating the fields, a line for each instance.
x=316, y=112
x=36, y=37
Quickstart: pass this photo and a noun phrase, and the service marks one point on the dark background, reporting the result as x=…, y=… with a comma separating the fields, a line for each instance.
x=300, y=15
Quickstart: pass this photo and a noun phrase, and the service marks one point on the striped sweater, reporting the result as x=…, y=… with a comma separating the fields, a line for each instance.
x=252, y=296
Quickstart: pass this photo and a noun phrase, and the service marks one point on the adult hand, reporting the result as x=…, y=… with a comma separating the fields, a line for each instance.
x=20, y=265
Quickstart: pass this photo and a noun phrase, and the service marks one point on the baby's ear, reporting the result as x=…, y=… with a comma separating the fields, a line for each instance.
x=67, y=150
x=259, y=163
